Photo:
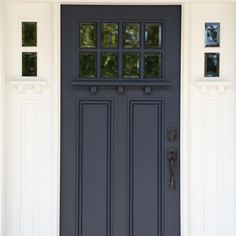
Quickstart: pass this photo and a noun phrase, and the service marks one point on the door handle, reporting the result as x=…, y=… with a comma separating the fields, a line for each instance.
x=172, y=157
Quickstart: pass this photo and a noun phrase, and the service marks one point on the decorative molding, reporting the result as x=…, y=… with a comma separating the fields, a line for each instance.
x=210, y=154
x=220, y=85
x=22, y=85
x=28, y=168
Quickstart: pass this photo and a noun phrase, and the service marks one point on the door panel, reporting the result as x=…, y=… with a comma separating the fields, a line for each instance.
x=115, y=117
x=94, y=166
x=145, y=172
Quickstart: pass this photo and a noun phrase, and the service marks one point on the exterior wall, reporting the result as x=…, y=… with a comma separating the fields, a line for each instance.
x=31, y=192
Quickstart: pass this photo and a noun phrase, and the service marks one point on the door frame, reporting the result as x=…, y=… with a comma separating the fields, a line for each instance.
x=184, y=94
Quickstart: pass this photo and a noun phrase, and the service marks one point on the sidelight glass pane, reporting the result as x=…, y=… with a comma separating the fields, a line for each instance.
x=153, y=36
x=131, y=35
x=131, y=65
x=109, y=65
x=88, y=35
x=29, y=63
x=29, y=34
x=212, y=64
x=88, y=65
x=212, y=34
x=109, y=35
x=152, y=65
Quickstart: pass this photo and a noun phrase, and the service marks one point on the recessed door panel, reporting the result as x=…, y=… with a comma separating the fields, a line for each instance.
x=94, y=167
x=145, y=172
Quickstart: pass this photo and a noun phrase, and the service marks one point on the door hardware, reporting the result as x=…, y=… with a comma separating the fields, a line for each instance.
x=172, y=134
x=172, y=157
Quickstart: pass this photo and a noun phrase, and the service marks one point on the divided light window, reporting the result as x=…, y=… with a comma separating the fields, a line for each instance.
x=120, y=50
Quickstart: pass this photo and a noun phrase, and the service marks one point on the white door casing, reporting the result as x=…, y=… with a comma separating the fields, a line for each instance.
x=32, y=150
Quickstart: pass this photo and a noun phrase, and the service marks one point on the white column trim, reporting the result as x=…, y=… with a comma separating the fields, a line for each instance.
x=2, y=112
x=57, y=101
x=184, y=119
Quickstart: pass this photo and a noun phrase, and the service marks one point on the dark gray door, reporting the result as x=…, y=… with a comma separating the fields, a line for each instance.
x=120, y=120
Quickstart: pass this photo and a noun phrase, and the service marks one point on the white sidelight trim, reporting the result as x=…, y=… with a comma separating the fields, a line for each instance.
x=184, y=120
x=2, y=113
x=57, y=107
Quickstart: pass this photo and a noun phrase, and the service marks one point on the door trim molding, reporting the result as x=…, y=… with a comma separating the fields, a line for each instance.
x=184, y=120
x=2, y=113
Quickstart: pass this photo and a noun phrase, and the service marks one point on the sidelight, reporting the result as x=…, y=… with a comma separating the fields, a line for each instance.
x=29, y=64
x=29, y=34
x=212, y=34
x=212, y=64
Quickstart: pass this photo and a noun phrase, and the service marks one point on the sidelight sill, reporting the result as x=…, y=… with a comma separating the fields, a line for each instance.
x=22, y=84
x=220, y=85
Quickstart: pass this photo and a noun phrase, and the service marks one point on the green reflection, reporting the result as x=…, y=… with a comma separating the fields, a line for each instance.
x=29, y=63
x=88, y=35
x=212, y=64
x=109, y=35
x=153, y=35
x=131, y=35
x=88, y=62
x=109, y=65
x=29, y=34
x=131, y=65
x=152, y=65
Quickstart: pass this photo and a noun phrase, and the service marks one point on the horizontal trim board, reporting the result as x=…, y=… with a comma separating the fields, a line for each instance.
x=123, y=2
x=119, y=83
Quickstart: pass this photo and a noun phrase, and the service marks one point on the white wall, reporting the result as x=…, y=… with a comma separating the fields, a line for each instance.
x=207, y=118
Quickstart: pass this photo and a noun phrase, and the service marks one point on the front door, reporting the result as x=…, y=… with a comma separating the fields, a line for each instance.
x=120, y=120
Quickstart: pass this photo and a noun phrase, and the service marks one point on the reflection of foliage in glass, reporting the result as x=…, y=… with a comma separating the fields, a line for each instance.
x=88, y=63
x=88, y=35
x=153, y=35
x=152, y=65
x=109, y=35
x=29, y=64
x=131, y=35
x=131, y=65
x=29, y=34
x=212, y=64
x=109, y=65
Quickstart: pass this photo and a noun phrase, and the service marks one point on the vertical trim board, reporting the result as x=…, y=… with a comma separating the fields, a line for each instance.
x=28, y=164
x=210, y=142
